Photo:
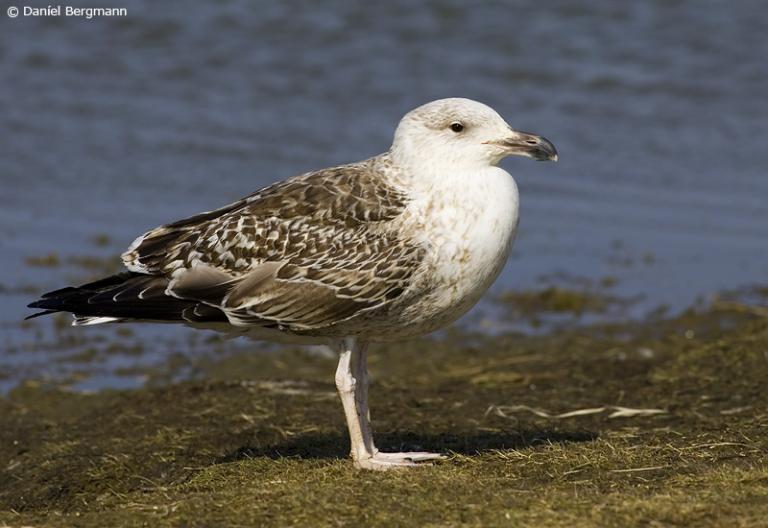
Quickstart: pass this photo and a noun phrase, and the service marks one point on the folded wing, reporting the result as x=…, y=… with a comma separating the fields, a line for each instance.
x=300, y=255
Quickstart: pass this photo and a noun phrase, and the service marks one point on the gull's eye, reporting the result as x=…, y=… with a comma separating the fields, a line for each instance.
x=457, y=127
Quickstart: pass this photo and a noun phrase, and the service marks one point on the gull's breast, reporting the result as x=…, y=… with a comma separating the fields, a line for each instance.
x=469, y=230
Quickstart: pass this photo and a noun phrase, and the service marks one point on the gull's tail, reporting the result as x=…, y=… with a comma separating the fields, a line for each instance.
x=124, y=297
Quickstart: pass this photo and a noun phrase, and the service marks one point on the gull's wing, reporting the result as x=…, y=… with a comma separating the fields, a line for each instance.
x=299, y=255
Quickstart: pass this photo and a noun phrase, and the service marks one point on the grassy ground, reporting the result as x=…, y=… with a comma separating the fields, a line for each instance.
x=262, y=441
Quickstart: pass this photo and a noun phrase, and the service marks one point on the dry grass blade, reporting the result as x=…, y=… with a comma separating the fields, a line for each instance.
x=618, y=412
x=637, y=470
x=627, y=412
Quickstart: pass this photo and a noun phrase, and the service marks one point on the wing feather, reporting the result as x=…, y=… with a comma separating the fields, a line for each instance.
x=303, y=254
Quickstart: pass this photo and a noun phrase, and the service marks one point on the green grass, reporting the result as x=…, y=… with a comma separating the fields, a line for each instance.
x=262, y=441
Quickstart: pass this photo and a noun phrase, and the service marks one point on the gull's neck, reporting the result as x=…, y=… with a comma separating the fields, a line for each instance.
x=420, y=171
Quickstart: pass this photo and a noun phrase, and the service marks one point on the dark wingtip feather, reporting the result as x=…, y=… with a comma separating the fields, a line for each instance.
x=38, y=303
x=38, y=314
x=120, y=297
x=57, y=293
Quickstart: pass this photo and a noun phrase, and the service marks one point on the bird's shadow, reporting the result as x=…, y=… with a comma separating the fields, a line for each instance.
x=333, y=446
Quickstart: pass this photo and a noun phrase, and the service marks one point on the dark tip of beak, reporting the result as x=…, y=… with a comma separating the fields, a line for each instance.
x=545, y=150
x=537, y=147
x=531, y=145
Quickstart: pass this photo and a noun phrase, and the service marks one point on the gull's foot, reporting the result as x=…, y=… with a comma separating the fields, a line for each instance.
x=386, y=461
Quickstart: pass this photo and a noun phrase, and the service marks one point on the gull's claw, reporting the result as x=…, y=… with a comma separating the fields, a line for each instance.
x=387, y=461
x=414, y=456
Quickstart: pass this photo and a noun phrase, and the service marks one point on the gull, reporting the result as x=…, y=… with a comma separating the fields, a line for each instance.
x=392, y=247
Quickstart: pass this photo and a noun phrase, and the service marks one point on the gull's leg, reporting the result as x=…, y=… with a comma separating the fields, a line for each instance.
x=352, y=384
x=348, y=387
x=360, y=374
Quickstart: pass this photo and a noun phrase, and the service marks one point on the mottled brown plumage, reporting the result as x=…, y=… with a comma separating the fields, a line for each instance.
x=300, y=255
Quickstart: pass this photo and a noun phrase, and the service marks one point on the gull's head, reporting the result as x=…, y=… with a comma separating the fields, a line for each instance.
x=463, y=132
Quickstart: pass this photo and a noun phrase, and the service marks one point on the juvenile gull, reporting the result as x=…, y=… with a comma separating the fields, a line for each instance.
x=395, y=246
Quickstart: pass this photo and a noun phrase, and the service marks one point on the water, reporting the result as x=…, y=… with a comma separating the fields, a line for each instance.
x=116, y=125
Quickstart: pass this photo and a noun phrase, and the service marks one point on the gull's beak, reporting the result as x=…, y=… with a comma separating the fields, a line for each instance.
x=525, y=144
